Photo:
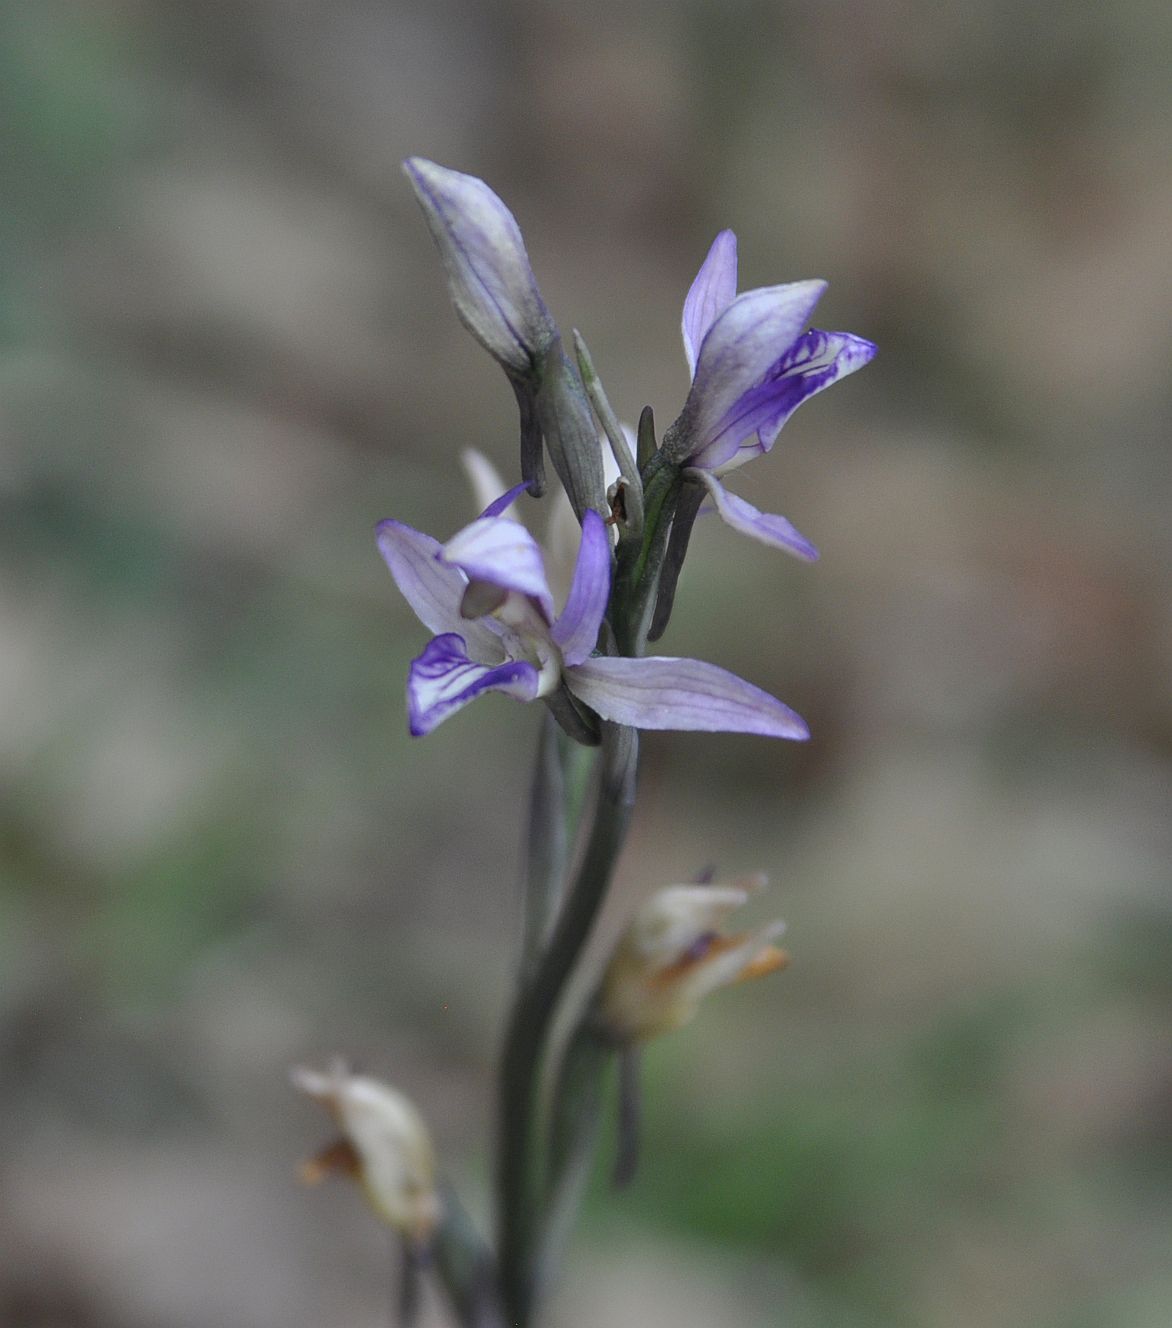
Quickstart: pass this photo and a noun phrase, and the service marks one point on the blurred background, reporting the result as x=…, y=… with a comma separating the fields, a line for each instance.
x=228, y=351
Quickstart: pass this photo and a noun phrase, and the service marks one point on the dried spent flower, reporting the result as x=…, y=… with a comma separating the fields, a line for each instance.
x=673, y=954
x=384, y=1145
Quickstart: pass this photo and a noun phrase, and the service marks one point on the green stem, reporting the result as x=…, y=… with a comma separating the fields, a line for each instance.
x=464, y=1266
x=638, y=575
x=560, y=781
x=518, y=1183
x=630, y=1116
x=575, y=1124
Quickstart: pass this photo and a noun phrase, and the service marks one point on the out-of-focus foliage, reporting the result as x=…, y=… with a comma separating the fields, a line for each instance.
x=227, y=351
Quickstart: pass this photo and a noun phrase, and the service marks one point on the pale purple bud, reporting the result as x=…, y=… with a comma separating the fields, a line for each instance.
x=491, y=282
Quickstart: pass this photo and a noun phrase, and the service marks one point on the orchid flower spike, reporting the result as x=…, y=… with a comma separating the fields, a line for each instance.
x=496, y=296
x=752, y=366
x=486, y=596
x=673, y=954
x=383, y=1144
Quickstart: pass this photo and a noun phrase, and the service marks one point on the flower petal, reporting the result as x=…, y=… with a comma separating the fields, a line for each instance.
x=775, y=531
x=753, y=410
x=675, y=917
x=487, y=484
x=433, y=589
x=728, y=964
x=812, y=363
x=740, y=348
x=712, y=292
x=503, y=553
x=499, y=506
x=483, y=476
x=662, y=693
x=748, y=449
x=576, y=631
x=443, y=679
x=491, y=282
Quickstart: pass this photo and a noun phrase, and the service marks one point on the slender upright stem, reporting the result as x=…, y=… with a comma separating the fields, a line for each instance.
x=630, y=1116
x=464, y=1265
x=561, y=777
x=406, y=1301
x=547, y=840
x=518, y=1180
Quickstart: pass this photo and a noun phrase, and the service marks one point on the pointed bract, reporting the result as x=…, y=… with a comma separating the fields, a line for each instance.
x=571, y=436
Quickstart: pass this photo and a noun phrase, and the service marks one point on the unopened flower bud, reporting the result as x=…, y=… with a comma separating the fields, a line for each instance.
x=384, y=1145
x=496, y=296
x=673, y=954
x=491, y=282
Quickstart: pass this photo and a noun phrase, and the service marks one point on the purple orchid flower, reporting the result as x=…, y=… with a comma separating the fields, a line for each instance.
x=752, y=367
x=486, y=597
